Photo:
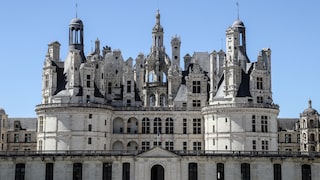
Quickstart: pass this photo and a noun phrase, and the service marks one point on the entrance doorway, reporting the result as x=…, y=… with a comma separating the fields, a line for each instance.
x=157, y=172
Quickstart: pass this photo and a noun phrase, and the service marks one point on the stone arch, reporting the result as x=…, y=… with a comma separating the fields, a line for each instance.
x=132, y=145
x=118, y=145
x=157, y=172
x=132, y=125
x=118, y=125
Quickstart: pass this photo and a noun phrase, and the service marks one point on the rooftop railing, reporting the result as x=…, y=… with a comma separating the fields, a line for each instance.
x=177, y=152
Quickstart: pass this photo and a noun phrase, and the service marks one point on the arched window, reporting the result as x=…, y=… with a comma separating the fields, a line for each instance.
x=220, y=171
x=311, y=125
x=49, y=171
x=306, y=172
x=152, y=100
x=118, y=125
x=277, y=172
x=163, y=100
x=245, y=171
x=132, y=145
x=311, y=137
x=157, y=172
x=77, y=171
x=126, y=171
x=20, y=171
x=193, y=171
x=132, y=126
x=117, y=146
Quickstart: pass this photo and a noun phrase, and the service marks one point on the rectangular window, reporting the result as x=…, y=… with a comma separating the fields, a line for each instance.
x=184, y=145
x=145, y=126
x=89, y=140
x=157, y=126
x=169, y=146
x=16, y=138
x=157, y=143
x=128, y=86
x=254, y=145
x=259, y=83
x=126, y=171
x=107, y=171
x=213, y=142
x=128, y=102
x=253, y=123
x=27, y=138
x=20, y=171
x=89, y=127
x=264, y=123
x=298, y=138
x=193, y=171
x=169, y=126
x=184, y=126
x=196, y=88
x=245, y=171
x=287, y=138
x=264, y=145
x=213, y=128
x=196, y=103
x=196, y=126
x=40, y=124
x=49, y=171
x=88, y=77
x=145, y=145
x=277, y=171
x=109, y=88
x=46, y=84
x=90, y=116
x=197, y=146
x=77, y=171
x=259, y=99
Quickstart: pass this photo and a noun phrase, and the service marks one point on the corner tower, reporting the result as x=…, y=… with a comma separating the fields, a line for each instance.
x=241, y=115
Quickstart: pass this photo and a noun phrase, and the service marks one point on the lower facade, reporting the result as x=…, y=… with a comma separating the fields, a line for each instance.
x=158, y=164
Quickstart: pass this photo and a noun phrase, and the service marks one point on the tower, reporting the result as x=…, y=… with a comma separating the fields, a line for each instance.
x=309, y=129
x=240, y=104
x=236, y=57
x=157, y=64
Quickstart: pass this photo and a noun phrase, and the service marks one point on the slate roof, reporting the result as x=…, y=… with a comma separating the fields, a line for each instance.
x=285, y=124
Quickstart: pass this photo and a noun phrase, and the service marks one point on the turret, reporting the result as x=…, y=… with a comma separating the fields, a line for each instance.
x=175, y=45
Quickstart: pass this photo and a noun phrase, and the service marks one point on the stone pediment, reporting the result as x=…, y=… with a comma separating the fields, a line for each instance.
x=157, y=152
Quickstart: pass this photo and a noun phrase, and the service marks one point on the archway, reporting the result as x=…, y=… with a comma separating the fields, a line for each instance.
x=157, y=172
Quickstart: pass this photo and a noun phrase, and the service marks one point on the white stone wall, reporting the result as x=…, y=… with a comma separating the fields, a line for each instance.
x=175, y=167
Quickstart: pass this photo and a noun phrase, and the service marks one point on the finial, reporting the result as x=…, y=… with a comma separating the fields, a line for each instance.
x=237, y=9
x=310, y=103
x=158, y=17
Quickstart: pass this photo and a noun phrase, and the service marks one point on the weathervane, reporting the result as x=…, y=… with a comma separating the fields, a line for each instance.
x=76, y=9
x=237, y=9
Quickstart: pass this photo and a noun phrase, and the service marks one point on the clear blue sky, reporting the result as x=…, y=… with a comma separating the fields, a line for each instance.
x=289, y=28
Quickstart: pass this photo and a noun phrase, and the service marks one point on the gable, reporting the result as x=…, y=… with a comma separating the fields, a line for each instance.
x=157, y=152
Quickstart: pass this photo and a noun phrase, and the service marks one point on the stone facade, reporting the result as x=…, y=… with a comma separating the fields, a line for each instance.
x=104, y=102
x=104, y=117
